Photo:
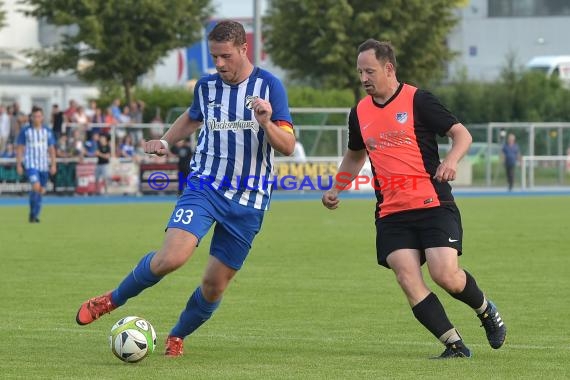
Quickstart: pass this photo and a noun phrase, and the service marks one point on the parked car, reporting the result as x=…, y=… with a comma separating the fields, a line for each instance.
x=552, y=66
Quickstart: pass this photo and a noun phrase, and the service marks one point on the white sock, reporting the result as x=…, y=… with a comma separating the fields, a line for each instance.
x=483, y=307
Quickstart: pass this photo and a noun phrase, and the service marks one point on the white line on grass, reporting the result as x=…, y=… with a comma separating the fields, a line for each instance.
x=266, y=338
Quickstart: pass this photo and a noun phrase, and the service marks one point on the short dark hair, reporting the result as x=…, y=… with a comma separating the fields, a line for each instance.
x=383, y=50
x=37, y=108
x=228, y=31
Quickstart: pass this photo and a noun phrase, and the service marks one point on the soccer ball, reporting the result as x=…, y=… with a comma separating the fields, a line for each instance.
x=132, y=339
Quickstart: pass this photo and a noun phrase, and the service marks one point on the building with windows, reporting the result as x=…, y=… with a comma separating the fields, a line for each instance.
x=490, y=31
x=17, y=84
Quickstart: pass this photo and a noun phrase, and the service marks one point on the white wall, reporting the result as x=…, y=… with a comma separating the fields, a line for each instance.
x=21, y=32
x=484, y=43
x=166, y=73
x=236, y=9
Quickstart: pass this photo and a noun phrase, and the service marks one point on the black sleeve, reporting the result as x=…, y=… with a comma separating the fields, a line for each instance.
x=429, y=112
x=355, y=141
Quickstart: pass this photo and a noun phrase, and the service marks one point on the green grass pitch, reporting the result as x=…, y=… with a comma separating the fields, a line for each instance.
x=310, y=303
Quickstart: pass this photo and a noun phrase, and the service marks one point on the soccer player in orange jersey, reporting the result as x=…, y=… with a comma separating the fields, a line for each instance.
x=417, y=220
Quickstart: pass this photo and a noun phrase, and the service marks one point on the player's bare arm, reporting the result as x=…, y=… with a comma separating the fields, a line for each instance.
x=279, y=139
x=19, y=159
x=350, y=166
x=53, y=165
x=180, y=129
x=461, y=140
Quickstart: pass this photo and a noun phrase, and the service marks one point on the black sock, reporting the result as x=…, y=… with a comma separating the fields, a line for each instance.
x=431, y=314
x=471, y=294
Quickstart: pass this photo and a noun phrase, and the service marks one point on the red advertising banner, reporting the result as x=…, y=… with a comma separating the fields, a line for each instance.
x=159, y=178
x=85, y=175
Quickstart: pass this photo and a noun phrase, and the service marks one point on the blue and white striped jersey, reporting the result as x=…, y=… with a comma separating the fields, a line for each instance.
x=232, y=151
x=36, y=142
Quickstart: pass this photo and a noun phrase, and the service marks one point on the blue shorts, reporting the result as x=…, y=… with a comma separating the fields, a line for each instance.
x=236, y=225
x=34, y=175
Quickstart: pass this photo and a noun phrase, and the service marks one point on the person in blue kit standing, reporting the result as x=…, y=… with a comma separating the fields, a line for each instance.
x=245, y=117
x=36, y=153
x=511, y=155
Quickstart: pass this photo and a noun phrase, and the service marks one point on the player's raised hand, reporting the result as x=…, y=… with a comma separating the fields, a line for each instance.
x=262, y=111
x=155, y=147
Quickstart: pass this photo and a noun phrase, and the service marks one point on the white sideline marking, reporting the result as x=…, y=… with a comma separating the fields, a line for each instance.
x=83, y=330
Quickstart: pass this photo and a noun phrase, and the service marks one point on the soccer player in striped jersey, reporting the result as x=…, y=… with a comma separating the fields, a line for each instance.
x=245, y=118
x=36, y=152
x=417, y=220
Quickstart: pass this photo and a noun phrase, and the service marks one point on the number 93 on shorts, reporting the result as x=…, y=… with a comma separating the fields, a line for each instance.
x=183, y=216
x=192, y=218
x=196, y=211
x=236, y=225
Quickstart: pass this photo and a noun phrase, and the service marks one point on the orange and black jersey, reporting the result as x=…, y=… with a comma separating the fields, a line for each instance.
x=400, y=139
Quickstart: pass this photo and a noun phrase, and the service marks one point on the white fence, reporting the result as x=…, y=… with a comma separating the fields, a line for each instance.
x=323, y=133
x=556, y=168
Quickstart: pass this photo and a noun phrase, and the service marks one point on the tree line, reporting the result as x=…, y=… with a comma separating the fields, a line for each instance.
x=113, y=42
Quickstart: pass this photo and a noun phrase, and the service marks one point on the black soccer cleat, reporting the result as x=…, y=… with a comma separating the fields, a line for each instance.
x=494, y=326
x=454, y=350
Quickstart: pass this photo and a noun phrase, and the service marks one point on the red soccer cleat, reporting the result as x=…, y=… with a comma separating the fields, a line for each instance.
x=174, y=346
x=94, y=308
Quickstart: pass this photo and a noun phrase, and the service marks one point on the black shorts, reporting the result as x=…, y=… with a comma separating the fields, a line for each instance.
x=419, y=229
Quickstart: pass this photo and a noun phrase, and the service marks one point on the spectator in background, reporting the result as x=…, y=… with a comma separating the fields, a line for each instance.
x=116, y=109
x=136, y=115
x=61, y=149
x=75, y=143
x=102, y=170
x=80, y=116
x=98, y=116
x=70, y=112
x=127, y=149
x=91, y=145
x=136, y=108
x=97, y=120
x=511, y=155
x=9, y=152
x=4, y=128
x=18, y=119
x=157, y=128
x=57, y=118
x=9, y=112
x=125, y=116
x=91, y=110
x=140, y=155
x=183, y=150
x=110, y=121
